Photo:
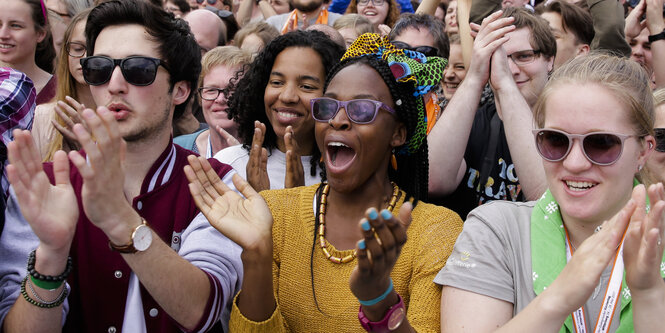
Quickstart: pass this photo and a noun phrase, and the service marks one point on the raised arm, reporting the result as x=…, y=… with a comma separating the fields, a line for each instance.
x=643, y=255
x=548, y=311
x=608, y=23
x=517, y=121
x=52, y=213
x=181, y=289
x=449, y=137
x=248, y=222
x=656, y=25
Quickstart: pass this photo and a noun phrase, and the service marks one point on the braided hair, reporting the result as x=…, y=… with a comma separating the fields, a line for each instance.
x=246, y=104
x=412, y=167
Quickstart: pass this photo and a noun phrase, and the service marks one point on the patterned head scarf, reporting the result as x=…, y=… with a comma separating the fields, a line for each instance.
x=423, y=72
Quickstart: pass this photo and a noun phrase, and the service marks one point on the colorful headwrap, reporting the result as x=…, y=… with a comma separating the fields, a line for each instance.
x=407, y=66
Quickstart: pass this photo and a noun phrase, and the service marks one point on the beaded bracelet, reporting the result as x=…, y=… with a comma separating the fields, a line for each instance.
x=47, y=282
x=44, y=305
x=380, y=298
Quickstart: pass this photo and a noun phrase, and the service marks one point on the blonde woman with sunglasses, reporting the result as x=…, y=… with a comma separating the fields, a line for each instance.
x=587, y=256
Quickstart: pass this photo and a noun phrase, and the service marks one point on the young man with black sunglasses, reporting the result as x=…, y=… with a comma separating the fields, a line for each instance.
x=143, y=258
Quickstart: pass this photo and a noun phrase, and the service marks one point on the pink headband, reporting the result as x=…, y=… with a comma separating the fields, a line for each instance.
x=41, y=2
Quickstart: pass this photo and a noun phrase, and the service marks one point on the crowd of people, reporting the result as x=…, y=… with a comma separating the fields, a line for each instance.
x=332, y=166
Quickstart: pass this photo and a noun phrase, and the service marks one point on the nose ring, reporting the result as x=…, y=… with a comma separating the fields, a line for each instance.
x=330, y=121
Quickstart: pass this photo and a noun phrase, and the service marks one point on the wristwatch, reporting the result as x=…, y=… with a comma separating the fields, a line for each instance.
x=656, y=37
x=389, y=323
x=141, y=239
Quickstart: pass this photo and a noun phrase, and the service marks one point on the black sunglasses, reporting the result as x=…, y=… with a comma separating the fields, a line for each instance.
x=137, y=70
x=428, y=51
x=599, y=147
x=660, y=139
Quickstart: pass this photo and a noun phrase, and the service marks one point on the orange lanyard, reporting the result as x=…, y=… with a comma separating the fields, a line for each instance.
x=322, y=19
x=432, y=109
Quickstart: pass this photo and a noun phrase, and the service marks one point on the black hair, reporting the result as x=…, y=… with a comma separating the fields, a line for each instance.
x=44, y=52
x=423, y=21
x=246, y=103
x=412, y=169
x=183, y=5
x=412, y=174
x=177, y=46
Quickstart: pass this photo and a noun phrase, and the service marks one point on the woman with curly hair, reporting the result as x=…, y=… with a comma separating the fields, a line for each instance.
x=306, y=251
x=271, y=105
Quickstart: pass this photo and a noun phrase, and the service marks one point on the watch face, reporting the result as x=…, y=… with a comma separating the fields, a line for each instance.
x=142, y=238
x=396, y=318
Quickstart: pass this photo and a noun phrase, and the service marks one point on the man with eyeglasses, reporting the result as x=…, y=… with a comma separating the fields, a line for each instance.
x=306, y=13
x=488, y=153
x=143, y=258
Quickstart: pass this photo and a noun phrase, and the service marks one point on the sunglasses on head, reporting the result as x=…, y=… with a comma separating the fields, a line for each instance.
x=428, y=51
x=660, y=139
x=137, y=70
x=599, y=147
x=359, y=111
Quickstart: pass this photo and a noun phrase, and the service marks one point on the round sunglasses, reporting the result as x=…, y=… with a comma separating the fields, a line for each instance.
x=137, y=70
x=600, y=148
x=359, y=111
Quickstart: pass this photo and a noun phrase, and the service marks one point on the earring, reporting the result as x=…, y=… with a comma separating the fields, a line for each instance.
x=330, y=121
x=639, y=168
x=393, y=161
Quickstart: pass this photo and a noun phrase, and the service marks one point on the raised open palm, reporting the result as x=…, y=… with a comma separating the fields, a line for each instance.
x=246, y=221
x=51, y=210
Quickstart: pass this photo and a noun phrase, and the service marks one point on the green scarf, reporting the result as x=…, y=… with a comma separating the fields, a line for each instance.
x=548, y=256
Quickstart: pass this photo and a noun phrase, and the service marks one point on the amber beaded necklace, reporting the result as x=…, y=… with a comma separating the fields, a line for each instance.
x=322, y=224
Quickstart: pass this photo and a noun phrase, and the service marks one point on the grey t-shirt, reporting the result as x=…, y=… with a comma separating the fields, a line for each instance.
x=278, y=21
x=492, y=257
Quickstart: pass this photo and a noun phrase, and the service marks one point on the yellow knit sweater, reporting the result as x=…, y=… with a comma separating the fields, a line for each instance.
x=431, y=236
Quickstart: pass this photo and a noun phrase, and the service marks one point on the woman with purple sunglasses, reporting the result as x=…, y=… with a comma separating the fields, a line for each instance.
x=357, y=252
x=588, y=255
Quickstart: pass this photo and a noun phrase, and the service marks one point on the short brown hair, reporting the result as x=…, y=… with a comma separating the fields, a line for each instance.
x=354, y=21
x=573, y=18
x=542, y=38
x=263, y=30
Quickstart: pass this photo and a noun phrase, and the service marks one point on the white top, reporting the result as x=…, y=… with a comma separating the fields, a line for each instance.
x=237, y=157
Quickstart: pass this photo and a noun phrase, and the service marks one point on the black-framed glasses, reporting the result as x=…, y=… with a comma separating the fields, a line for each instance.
x=428, y=51
x=359, y=111
x=600, y=148
x=660, y=139
x=375, y=2
x=75, y=49
x=210, y=93
x=137, y=70
x=525, y=57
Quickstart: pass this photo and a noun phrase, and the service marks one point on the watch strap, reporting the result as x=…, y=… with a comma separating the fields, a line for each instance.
x=656, y=37
x=384, y=325
x=129, y=247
